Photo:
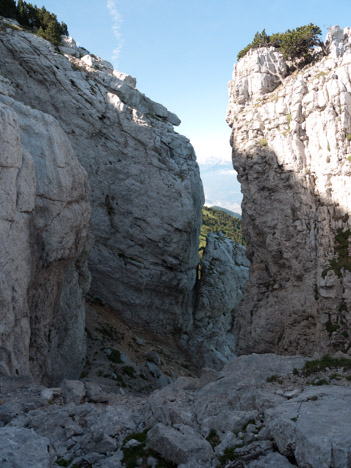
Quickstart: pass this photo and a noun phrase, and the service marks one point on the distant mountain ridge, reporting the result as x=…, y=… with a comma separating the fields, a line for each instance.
x=230, y=212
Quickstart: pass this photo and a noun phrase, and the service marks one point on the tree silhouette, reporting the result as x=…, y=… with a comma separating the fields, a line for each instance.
x=8, y=8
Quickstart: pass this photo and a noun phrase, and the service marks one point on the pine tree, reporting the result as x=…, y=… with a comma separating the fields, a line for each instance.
x=52, y=33
x=39, y=20
x=294, y=44
x=8, y=9
x=22, y=14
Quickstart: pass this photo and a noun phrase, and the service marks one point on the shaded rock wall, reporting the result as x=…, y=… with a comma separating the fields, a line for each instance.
x=291, y=144
x=44, y=231
x=224, y=273
x=146, y=192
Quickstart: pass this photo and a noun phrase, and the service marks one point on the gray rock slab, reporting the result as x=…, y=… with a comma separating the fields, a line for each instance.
x=20, y=447
x=179, y=444
x=315, y=427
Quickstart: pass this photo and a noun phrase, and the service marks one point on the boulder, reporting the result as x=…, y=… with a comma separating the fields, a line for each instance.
x=73, y=390
x=180, y=444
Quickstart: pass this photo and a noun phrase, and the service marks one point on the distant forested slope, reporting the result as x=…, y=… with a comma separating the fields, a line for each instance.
x=214, y=220
x=233, y=213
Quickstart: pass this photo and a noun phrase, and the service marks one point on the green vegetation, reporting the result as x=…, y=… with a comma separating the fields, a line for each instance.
x=319, y=365
x=274, y=378
x=348, y=136
x=129, y=371
x=331, y=327
x=320, y=382
x=250, y=421
x=213, y=438
x=214, y=220
x=115, y=357
x=263, y=142
x=228, y=455
x=8, y=9
x=62, y=462
x=294, y=44
x=37, y=20
x=342, y=258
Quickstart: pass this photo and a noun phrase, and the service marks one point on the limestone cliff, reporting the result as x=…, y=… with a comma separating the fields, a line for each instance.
x=146, y=192
x=44, y=231
x=291, y=144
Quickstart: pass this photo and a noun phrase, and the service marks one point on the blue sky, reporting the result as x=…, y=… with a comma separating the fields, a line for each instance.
x=182, y=51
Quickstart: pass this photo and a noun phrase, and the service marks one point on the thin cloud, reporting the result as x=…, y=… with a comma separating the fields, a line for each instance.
x=117, y=24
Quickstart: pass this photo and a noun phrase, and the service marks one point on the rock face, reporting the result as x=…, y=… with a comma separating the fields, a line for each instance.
x=44, y=231
x=224, y=273
x=146, y=193
x=291, y=144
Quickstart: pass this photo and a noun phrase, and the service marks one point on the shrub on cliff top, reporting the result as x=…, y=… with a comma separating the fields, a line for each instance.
x=39, y=20
x=294, y=44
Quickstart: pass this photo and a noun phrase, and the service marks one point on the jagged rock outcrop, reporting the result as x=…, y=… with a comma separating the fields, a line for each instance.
x=224, y=273
x=44, y=232
x=146, y=193
x=292, y=149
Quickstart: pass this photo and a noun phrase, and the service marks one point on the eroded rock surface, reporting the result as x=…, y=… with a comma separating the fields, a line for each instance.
x=292, y=149
x=44, y=232
x=146, y=192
